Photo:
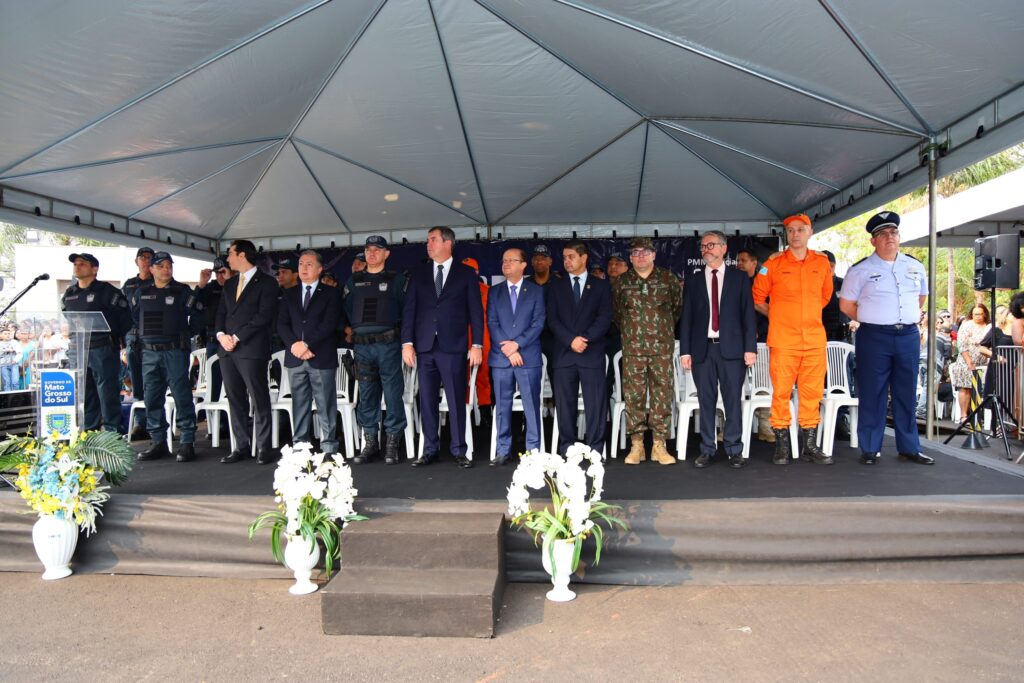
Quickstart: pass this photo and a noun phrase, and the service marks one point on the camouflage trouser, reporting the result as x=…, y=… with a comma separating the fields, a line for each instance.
x=641, y=374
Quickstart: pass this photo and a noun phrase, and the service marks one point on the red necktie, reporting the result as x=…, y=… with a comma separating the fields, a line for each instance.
x=714, y=299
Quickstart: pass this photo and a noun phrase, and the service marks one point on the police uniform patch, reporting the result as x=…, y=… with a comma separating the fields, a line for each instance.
x=90, y=298
x=169, y=300
x=383, y=286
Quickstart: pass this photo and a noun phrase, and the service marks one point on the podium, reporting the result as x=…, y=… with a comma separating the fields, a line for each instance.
x=61, y=387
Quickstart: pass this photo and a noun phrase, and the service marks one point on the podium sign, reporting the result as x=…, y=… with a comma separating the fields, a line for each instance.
x=57, y=403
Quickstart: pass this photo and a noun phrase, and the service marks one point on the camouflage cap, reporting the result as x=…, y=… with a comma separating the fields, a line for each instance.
x=641, y=243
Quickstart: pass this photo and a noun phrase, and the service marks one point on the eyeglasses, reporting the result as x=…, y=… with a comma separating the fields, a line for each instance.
x=711, y=245
x=888, y=233
x=510, y=261
x=640, y=253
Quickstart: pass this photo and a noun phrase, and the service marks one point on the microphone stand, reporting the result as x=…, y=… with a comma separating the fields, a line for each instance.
x=23, y=292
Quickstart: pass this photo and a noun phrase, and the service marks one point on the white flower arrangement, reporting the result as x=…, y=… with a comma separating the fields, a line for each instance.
x=573, y=516
x=315, y=498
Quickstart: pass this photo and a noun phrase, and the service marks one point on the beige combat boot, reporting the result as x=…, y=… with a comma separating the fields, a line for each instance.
x=764, y=427
x=660, y=454
x=636, y=453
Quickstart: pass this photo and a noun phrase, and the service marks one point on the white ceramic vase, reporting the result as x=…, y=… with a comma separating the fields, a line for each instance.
x=301, y=557
x=561, y=573
x=55, y=540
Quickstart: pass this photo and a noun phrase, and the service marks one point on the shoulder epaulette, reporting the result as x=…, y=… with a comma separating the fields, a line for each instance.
x=861, y=261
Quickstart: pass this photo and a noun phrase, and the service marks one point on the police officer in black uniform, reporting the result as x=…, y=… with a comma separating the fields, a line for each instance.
x=209, y=294
x=836, y=323
x=103, y=369
x=143, y=260
x=167, y=315
x=373, y=306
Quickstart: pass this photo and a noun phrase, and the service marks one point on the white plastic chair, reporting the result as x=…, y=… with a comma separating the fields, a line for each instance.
x=837, y=394
x=168, y=414
x=444, y=408
x=759, y=395
x=517, y=407
x=349, y=435
x=617, y=409
x=214, y=408
x=580, y=420
x=410, y=382
x=281, y=402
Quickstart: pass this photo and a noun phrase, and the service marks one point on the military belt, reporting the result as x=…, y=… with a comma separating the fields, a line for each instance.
x=168, y=346
x=381, y=338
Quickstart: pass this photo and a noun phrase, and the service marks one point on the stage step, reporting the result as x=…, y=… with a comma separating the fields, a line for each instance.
x=418, y=574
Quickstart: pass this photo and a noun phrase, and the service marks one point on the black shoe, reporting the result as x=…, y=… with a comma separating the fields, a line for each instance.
x=868, y=458
x=919, y=458
x=266, y=457
x=809, y=447
x=703, y=460
x=234, y=456
x=186, y=453
x=391, y=442
x=736, y=461
x=155, y=452
x=139, y=434
x=499, y=460
x=463, y=462
x=371, y=448
x=783, y=448
x=424, y=460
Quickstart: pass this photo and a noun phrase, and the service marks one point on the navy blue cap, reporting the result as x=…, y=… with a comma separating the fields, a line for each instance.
x=288, y=263
x=88, y=257
x=220, y=263
x=542, y=249
x=161, y=256
x=885, y=219
x=144, y=250
x=361, y=257
x=619, y=255
x=376, y=241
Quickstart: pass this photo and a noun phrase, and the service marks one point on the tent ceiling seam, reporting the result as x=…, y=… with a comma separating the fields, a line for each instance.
x=458, y=112
x=554, y=53
x=784, y=122
x=643, y=166
x=875, y=64
x=570, y=170
x=163, y=86
x=387, y=177
x=316, y=180
x=746, y=153
x=139, y=157
x=302, y=116
x=231, y=165
x=724, y=61
x=725, y=175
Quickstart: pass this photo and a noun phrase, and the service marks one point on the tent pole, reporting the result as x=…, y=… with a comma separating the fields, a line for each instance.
x=930, y=387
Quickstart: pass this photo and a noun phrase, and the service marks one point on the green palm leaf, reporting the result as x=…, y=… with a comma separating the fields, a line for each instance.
x=109, y=452
x=12, y=452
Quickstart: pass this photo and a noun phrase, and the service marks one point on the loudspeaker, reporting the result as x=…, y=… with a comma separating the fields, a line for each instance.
x=997, y=262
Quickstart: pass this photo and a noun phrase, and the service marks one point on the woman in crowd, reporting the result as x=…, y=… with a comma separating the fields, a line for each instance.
x=968, y=340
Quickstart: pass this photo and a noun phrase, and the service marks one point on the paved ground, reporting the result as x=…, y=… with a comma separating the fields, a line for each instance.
x=131, y=628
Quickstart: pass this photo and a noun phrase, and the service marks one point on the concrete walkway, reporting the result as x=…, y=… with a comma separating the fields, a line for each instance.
x=135, y=628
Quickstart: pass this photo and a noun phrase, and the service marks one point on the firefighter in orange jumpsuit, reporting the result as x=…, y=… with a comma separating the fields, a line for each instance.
x=483, y=375
x=798, y=282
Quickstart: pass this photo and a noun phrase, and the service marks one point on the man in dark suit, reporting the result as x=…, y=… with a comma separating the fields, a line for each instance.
x=579, y=313
x=442, y=305
x=717, y=342
x=307, y=322
x=245, y=320
x=515, y=316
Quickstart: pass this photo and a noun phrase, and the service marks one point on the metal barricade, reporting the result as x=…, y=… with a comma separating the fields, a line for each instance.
x=1006, y=372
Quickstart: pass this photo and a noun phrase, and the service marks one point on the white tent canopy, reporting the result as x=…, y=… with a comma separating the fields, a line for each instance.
x=309, y=123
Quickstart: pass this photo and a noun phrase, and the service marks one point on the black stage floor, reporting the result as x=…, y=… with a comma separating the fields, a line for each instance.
x=649, y=481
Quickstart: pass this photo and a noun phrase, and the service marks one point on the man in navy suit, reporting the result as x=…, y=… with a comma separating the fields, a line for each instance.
x=442, y=306
x=307, y=322
x=717, y=342
x=579, y=313
x=515, y=316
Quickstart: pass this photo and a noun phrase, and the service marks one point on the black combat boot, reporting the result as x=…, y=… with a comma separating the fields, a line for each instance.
x=783, y=449
x=809, y=447
x=155, y=452
x=371, y=448
x=391, y=442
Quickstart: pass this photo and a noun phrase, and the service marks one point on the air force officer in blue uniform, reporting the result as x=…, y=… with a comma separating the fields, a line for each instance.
x=579, y=314
x=442, y=309
x=884, y=293
x=515, y=316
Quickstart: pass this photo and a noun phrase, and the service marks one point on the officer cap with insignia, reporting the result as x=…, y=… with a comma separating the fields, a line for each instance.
x=376, y=241
x=287, y=263
x=641, y=243
x=161, y=256
x=144, y=250
x=542, y=250
x=85, y=257
x=885, y=219
x=220, y=263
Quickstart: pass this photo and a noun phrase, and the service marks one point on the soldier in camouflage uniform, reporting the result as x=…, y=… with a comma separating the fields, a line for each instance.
x=647, y=301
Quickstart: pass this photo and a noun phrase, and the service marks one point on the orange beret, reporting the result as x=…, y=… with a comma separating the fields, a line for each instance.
x=803, y=217
x=471, y=262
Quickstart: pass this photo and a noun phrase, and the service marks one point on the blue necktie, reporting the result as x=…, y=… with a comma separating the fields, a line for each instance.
x=439, y=281
x=576, y=288
x=305, y=299
x=515, y=299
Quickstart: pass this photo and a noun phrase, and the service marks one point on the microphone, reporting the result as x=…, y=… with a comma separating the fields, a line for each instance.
x=44, y=276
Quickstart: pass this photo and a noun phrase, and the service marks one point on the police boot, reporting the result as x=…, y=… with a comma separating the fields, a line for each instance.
x=155, y=452
x=186, y=453
x=783, y=449
x=139, y=433
x=660, y=454
x=809, y=447
x=391, y=449
x=636, y=454
x=371, y=448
